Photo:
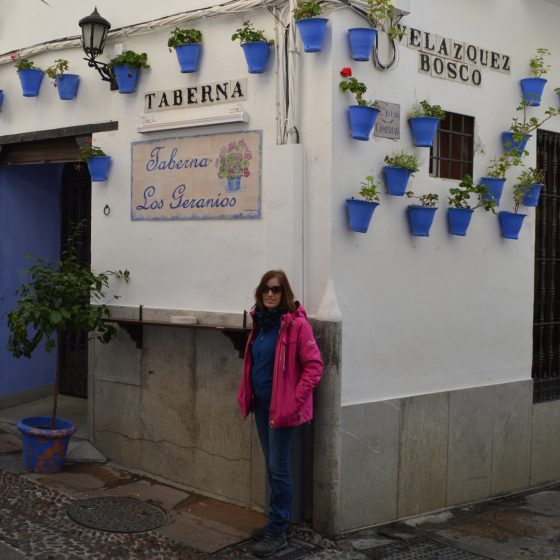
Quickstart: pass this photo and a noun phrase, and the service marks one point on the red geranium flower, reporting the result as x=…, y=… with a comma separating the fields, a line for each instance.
x=346, y=72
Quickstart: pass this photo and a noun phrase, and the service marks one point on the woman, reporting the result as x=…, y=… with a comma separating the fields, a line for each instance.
x=282, y=366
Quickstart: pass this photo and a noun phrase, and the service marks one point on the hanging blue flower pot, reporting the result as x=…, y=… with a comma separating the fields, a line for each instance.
x=1, y=98
x=359, y=214
x=67, y=85
x=188, y=57
x=362, y=120
x=312, y=32
x=99, y=167
x=126, y=77
x=510, y=224
x=256, y=55
x=458, y=220
x=511, y=145
x=532, y=89
x=396, y=179
x=423, y=130
x=531, y=197
x=44, y=449
x=233, y=184
x=495, y=188
x=30, y=79
x=361, y=40
x=420, y=219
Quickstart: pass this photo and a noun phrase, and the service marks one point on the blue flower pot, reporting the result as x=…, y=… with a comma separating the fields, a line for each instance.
x=99, y=167
x=256, y=55
x=312, y=32
x=532, y=193
x=396, y=179
x=510, y=145
x=510, y=224
x=495, y=188
x=361, y=40
x=423, y=130
x=359, y=214
x=532, y=89
x=1, y=98
x=362, y=120
x=126, y=77
x=420, y=219
x=30, y=79
x=44, y=449
x=67, y=85
x=233, y=184
x=189, y=57
x=458, y=220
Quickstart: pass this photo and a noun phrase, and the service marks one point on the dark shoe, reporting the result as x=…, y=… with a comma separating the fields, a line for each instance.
x=258, y=533
x=270, y=544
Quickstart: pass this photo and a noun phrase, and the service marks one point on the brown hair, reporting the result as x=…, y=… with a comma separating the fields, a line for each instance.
x=287, y=301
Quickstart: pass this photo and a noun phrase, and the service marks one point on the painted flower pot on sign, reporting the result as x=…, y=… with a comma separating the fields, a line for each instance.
x=495, y=188
x=256, y=55
x=359, y=214
x=458, y=220
x=423, y=130
x=420, y=219
x=99, y=167
x=362, y=120
x=514, y=146
x=126, y=77
x=67, y=86
x=189, y=57
x=361, y=40
x=510, y=224
x=233, y=184
x=532, y=90
x=30, y=79
x=531, y=197
x=44, y=449
x=312, y=32
x=396, y=179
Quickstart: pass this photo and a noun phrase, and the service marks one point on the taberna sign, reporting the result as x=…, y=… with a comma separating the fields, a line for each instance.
x=227, y=91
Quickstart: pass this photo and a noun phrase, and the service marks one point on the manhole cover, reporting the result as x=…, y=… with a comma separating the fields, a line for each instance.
x=295, y=550
x=419, y=549
x=117, y=514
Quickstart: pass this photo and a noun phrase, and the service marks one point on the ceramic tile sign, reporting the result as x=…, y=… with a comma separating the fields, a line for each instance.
x=388, y=123
x=215, y=176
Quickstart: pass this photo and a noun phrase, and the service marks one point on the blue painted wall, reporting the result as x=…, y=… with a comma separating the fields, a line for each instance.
x=29, y=223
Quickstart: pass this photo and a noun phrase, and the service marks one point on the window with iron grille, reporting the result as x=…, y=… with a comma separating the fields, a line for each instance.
x=451, y=156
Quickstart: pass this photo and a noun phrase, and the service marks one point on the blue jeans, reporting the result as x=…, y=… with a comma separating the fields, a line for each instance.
x=276, y=445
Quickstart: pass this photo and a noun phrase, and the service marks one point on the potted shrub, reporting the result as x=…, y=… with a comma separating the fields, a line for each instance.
x=66, y=84
x=312, y=29
x=255, y=45
x=187, y=45
x=511, y=222
x=400, y=167
x=424, y=121
x=495, y=177
x=460, y=211
x=97, y=161
x=362, y=116
x=421, y=216
x=532, y=87
x=361, y=210
x=29, y=77
x=126, y=67
x=55, y=298
x=531, y=182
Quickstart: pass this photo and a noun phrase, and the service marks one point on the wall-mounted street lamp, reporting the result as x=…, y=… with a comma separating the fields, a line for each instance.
x=94, y=37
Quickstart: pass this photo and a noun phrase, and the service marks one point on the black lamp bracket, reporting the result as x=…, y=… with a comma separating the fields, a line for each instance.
x=104, y=71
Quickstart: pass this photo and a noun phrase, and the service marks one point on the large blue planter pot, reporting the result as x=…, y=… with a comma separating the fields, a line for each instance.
x=67, y=86
x=423, y=130
x=312, y=32
x=359, y=214
x=126, y=77
x=458, y=220
x=396, y=179
x=1, y=98
x=44, y=449
x=362, y=120
x=532, y=89
x=99, y=167
x=361, y=40
x=256, y=55
x=30, y=79
x=532, y=193
x=495, y=188
x=513, y=146
x=420, y=219
x=510, y=224
x=189, y=57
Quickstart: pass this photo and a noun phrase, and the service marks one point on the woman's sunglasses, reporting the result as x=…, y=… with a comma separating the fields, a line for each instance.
x=274, y=289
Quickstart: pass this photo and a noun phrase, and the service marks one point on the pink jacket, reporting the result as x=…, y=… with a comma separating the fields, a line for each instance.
x=297, y=369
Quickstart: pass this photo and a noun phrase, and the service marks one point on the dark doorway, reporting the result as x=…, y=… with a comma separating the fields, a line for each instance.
x=75, y=204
